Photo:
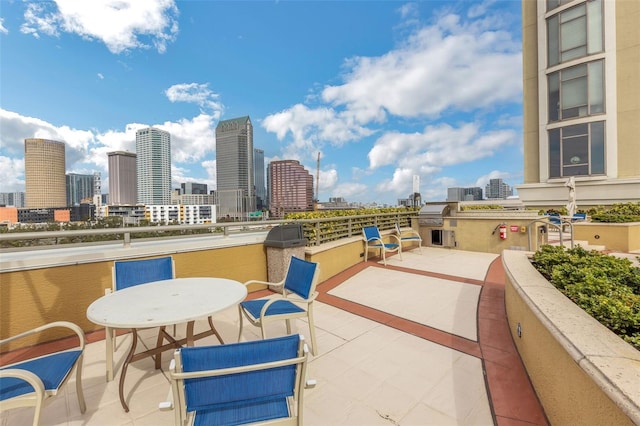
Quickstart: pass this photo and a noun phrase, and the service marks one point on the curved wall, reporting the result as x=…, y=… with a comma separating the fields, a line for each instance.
x=582, y=372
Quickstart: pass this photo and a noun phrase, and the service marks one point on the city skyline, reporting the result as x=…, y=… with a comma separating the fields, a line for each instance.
x=391, y=91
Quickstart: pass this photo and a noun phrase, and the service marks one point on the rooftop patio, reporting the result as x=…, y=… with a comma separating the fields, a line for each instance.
x=422, y=341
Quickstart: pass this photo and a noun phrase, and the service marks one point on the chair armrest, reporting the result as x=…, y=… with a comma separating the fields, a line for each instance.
x=27, y=376
x=63, y=324
x=250, y=282
x=396, y=237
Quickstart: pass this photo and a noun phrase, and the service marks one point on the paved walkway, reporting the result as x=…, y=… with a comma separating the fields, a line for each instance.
x=420, y=341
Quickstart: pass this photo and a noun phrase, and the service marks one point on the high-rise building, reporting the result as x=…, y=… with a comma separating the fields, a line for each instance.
x=123, y=184
x=235, y=192
x=497, y=189
x=13, y=199
x=79, y=189
x=290, y=187
x=580, y=97
x=44, y=168
x=188, y=188
x=153, y=166
x=473, y=193
x=258, y=173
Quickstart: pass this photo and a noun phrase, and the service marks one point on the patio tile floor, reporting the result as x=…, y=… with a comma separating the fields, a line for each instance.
x=381, y=361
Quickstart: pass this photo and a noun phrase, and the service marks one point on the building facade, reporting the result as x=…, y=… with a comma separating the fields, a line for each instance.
x=153, y=166
x=290, y=188
x=581, y=97
x=473, y=193
x=123, y=185
x=182, y=214
x=497, y=189
x=79, y=189
x=235, y=192
x=14, y=199
x=193, y=188
x=44, y=173
x=259, y=178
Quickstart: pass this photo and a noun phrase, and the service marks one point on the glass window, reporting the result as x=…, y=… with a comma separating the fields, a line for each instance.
x=575, y=32
x=552, y=4
x=577, y=150
x=577, y=91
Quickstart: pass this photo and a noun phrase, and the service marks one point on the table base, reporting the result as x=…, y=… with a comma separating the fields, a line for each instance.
x=132, y=356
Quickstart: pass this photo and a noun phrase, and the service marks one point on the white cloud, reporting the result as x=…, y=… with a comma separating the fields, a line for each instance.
x=100, y=76
x=3, y=30
x=196, y=93
x=120, y=24
x=86, y=150
x=437, y=146
x=351, y=191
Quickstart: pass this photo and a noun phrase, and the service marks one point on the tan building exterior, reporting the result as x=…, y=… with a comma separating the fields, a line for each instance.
x=123, y=186
x=44, y=172
x=581, y=97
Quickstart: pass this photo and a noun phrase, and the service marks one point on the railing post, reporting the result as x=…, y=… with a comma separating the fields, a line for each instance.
x=127, y=239
x=317, y=226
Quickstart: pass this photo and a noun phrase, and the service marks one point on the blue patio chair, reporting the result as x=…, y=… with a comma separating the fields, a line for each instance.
x=36, y=381
x=409, y=236
x=256, y=382
x=579, y=217
x=296, y=300
x=373, y=241
x=129, y=273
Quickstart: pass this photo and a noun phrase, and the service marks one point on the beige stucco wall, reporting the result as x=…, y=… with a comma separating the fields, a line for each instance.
x=474, y=231
x=31, y=297
x=583, y=373
x=628, y=88
x=623, y=237
x=530, y=92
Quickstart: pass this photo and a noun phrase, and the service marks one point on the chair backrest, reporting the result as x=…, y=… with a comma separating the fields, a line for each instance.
x=301, y=277
x=134, y=272
x=371, y=233
x=229, y=389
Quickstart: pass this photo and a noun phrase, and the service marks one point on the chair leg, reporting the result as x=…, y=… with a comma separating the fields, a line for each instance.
x=79, y=392
x=288, y=323
x=240, y=325
x=312, y=332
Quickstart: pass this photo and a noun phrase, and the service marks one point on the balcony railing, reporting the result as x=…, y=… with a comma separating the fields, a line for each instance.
x=316, y=231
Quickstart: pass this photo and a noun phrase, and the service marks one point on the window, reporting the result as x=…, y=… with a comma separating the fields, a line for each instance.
x=577, y=91
x=577, y=150
x=574, y=33
x=552, y=4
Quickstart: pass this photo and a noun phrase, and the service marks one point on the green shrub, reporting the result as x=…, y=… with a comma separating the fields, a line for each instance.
x=617, y=213
x=606, y=287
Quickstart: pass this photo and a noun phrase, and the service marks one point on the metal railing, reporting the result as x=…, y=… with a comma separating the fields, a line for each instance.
x=316, y=231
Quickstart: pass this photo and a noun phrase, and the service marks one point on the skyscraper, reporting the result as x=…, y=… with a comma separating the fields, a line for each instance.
x=188, y=188
x=258, y=173
x=153, y=166
x=44, y=168
x=580, y=98
x=123, y=185
x=290, y=187
x=497, y=189
x=235, y=193
x=79, y=188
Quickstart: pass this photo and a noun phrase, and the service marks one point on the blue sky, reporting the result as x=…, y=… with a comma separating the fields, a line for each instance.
x=384, y=90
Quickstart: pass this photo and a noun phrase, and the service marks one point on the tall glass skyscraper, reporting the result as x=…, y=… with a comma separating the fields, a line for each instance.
x=153, y=166
x=235, y=193
x=44, y=173
x=258, y=173
x=79, y=189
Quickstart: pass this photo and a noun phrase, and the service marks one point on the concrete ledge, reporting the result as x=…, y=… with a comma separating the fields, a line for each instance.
x=582, y=372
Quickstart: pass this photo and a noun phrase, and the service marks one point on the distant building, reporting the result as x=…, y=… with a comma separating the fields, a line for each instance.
x=123, y=185
x=497, y=189
x=192, y=199
x=580, y=101
x=44, y=173
x=290, y=188
x=182, y=214
x=153, y=166
x=79, y=189
x=464, y=194
x=259, y=178
x=12, y=199
x=235, y=185
x=193, y=188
